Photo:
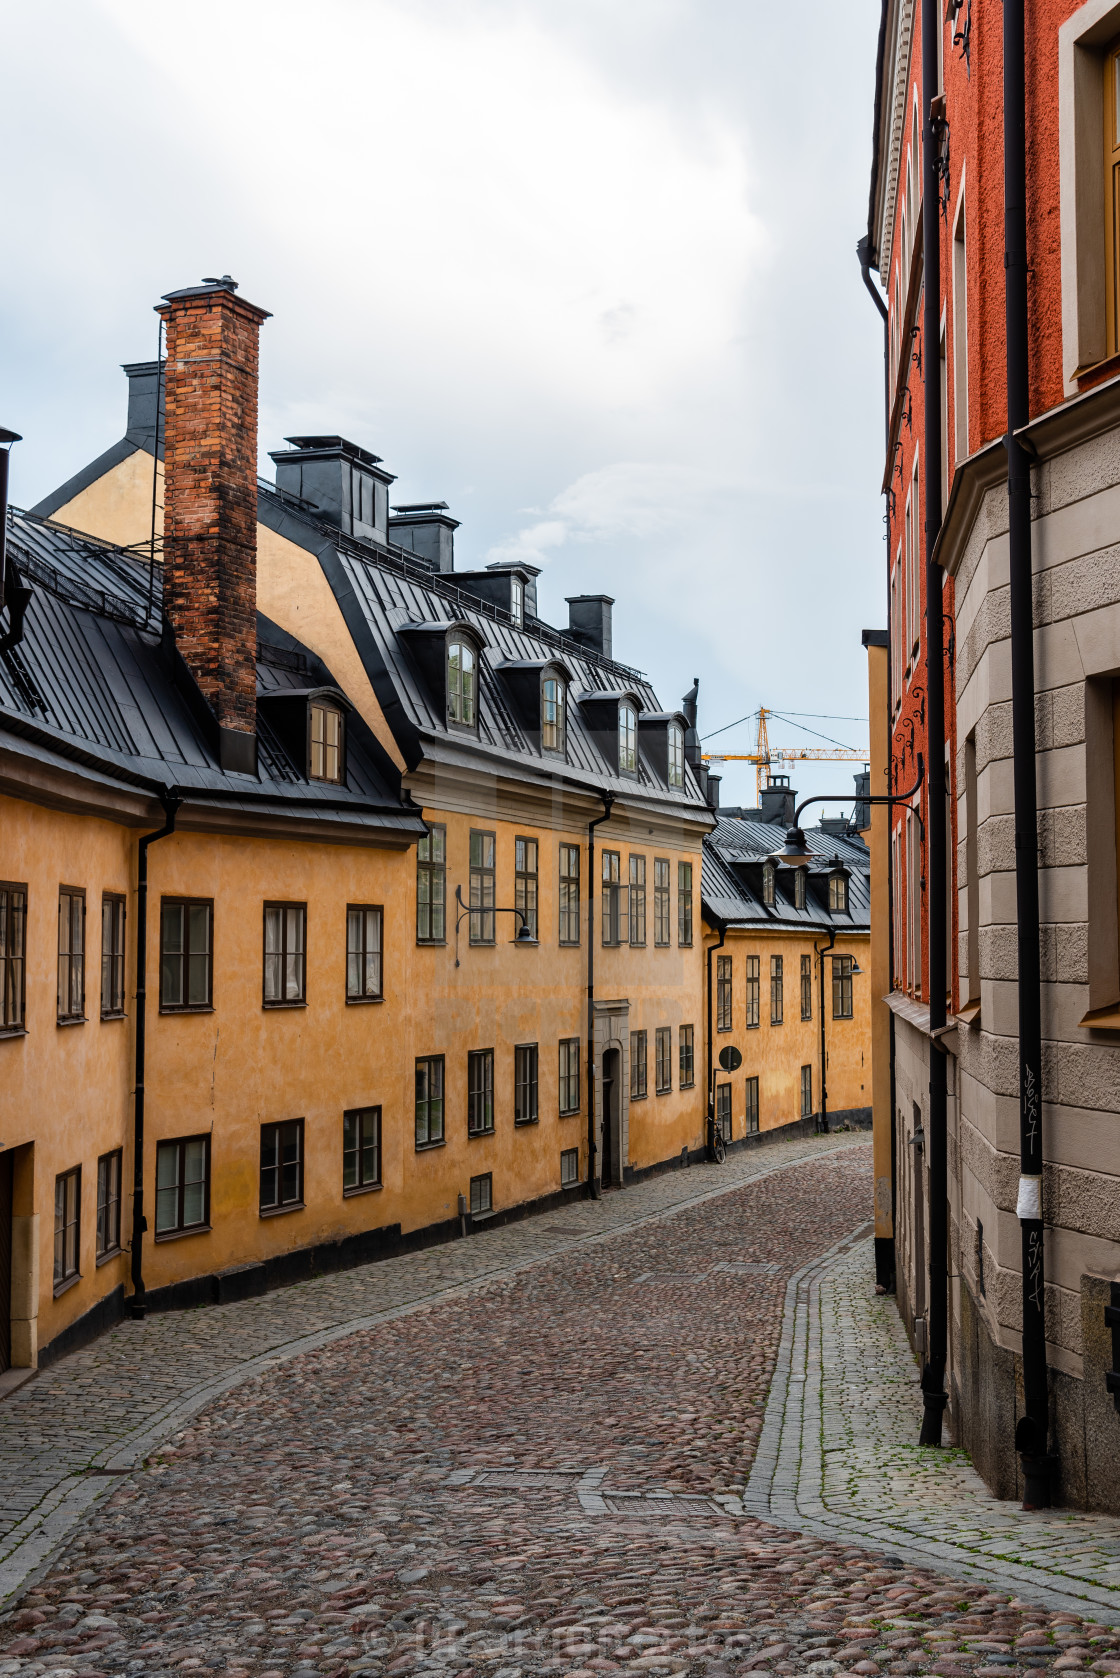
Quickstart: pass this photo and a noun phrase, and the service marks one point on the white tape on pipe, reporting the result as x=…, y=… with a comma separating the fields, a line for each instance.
x=1029, y=1203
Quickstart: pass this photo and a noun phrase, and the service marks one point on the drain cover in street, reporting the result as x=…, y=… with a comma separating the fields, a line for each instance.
x=740, y=1267
x=518, y=1479
x=652, y=1508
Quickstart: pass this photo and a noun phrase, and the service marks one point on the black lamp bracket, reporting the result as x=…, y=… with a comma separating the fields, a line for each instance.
x=490, y=909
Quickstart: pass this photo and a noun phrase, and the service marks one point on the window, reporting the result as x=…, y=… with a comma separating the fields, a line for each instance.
x=71, y=955
x=569, y=894
x=429, y=1101
x=753, y=987
x=13, y=943
x=480, y=1092
x=1112, y=196
x=109, y=1204
x=723, y=993
x=285, y=970
x=971, y=892
x=768, y=883
x=553, y=699
x=627, y=739
x=525, y=881
x=806, y=1091
x=723, y=1111
x=913, y=562
x=461, y=678
x=838, y=894
x=896, y=631
x=569, y=1075
x=686, y=1070
x=112, y=957
x=661, y=910
x=67, y=1227
x=663, y=1059
x=182, y=1185
x=799, y=888
x=684, y=904
x=431, y=886
x=363, y=952
x=482, y=1194
x=752, y=1106
x=612, y=897
x=980, y=1277
x=326, y=742
x=676, y=755
x=842, y=987
x=776, y=1000
x=569, y=1167
x=517, y=600
x=482, y=888
x=186, y=959
x=637, y=899
x=525, y=1084
x=638, y=1065
x=361, y=1150
x=281, y=1165
x=806, y=987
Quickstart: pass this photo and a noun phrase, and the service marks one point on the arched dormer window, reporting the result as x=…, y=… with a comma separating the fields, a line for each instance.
x=553, y=709
x=627, y=739
x=462, y=683
x=676, y=755
x=517, y=601
x=838, y=892
x=325, y=758
x=768, y=884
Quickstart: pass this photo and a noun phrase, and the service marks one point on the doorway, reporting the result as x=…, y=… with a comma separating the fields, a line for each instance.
x=611, y=1096
x=5, y=1260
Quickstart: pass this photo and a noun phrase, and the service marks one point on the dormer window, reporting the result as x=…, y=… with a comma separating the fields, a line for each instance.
x=676, y=755
x=517, y=601
x=838, y=892
x=552, y=714
x=799, y=888
x=627, y=739
x=462, y=684
x=326, y=742
x=768, y=884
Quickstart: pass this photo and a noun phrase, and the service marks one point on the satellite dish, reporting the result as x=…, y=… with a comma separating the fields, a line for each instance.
x=729, y=1058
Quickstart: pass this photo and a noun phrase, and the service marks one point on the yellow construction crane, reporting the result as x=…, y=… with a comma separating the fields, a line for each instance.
x=768, y=759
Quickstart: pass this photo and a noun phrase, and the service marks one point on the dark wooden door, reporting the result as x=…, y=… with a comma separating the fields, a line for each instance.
x=5, y=1260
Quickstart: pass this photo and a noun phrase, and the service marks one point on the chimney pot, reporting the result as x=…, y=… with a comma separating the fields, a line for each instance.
x=589, y=620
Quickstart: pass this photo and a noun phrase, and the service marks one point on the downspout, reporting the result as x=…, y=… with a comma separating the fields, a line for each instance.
x=933, y=1372
x=137, y=1306
x=821, y=952
x=592, y=1148
x=711, y=1136
x=866, y=258
x=1031, y=1434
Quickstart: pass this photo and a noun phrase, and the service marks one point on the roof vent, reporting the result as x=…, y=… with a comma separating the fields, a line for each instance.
x=344, y=483
x=589, y=621
x=427, y=529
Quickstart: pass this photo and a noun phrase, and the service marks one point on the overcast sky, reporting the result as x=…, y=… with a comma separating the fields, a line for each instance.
x=586, y=271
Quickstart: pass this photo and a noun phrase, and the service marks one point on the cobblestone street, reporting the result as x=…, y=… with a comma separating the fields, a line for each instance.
x=531, y=1457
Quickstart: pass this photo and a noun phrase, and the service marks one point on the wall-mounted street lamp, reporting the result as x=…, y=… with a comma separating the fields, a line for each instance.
x=795, y=853
x=525, y=934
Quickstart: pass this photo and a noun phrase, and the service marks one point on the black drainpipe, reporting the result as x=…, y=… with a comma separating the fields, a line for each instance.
x=711, y=1133
x=137, y=1305
x=1031, y=1434
x=937, y=1340
x=866, y=262
x=821, y=952
x=597, y=821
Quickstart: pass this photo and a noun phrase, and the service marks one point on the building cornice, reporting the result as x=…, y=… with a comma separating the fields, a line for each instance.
x=900, y=38
x=973, y=479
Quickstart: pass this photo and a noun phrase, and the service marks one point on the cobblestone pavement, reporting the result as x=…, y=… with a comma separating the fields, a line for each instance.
x=542, y=1474
x=838, y=1456
x=105, y=1408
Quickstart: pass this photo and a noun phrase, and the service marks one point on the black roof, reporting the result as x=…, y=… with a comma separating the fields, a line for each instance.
x=731, y=878
x=389, y=598
x=94, y=685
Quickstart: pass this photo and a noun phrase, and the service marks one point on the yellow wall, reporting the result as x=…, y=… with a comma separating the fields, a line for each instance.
x=878, y=840
x=118, y=505
x=775, y=1054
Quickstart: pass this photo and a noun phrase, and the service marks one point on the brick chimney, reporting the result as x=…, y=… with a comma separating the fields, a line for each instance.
x=210, y=503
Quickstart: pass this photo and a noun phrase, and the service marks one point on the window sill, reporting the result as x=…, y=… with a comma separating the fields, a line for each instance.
x=361, y=1188
x=362, y=1001
x=426, y=1147
x=74, y=1019
x=642, y=1097
x=431, y=943
x=1100, y=1019
x=571, y=1113
x=480, y=1135
x=524, y=1124
x=13, y=1031
x=568, y=943
x=189, y=1008
x=273, y=1007
x=178, y=1234
x=691, y=1085
x=663, y=1092
x=279, y=1211
x=117, y=1014
x=64, y=1287
x=113, y=1253
x=969, y=1015
x=635, y=945
x=662, y=944
x=687, y=946
x=481, y=943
